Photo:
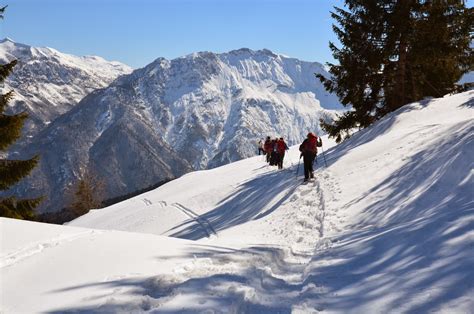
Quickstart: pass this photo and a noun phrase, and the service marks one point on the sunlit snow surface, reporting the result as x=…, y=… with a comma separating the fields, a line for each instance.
x=388, y=226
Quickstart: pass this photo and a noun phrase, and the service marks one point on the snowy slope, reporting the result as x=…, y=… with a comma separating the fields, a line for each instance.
x=48, y=83
x=386, y=227
x=36, y=263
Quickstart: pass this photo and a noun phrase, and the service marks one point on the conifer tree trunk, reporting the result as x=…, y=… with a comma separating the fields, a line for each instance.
x=401, y=17
x=402, y=63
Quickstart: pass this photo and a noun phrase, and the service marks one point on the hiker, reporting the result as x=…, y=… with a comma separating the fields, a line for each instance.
x=309, y=150
x=281, y=148
x=267, y=147
x=274, y=153
x=260, y=144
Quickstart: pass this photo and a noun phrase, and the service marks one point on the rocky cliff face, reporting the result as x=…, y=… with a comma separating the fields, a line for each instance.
x=199, y=111
x=212, y=107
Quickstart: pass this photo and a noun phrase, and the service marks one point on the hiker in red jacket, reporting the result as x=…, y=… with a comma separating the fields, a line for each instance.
x=281, y=148
x=268, y=148
x=309, y=150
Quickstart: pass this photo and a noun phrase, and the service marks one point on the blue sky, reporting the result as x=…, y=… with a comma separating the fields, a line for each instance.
x=138, y=31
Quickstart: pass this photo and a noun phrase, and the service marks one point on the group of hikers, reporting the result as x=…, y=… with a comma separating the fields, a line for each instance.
x=275, y=149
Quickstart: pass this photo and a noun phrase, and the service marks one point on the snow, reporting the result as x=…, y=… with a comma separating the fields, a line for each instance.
x=49, y=83
x=387, y=226
x=198, y=112
x=32, y=260
x=239, y=95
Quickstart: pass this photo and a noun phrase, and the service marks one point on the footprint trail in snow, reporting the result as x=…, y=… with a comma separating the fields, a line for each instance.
x=261, y=278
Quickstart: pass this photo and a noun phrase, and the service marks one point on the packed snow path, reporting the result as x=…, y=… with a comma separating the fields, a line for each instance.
x=386, y=227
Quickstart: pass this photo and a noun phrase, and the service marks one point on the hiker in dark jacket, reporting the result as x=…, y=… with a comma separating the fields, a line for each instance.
x=268, y=148
x=281, y=148
x=274, y=153
x=309, y=150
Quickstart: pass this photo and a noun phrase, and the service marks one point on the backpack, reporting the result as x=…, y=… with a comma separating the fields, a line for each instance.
x=302, y=146
x=310, y=145
x=281, y=146
x=267, y=146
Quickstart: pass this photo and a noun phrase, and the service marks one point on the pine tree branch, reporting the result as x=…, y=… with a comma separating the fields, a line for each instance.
x=12, y=171
x=11, y=207
x=4, y=99
x=2, y=10
x=6, y=70
x=10, y=128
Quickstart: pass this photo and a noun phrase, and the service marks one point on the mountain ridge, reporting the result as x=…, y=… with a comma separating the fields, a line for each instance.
x=48, y=83
x=171, y=116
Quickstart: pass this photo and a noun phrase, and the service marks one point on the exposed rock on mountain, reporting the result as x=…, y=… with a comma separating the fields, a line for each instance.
x=48, y=83
x=198, y=111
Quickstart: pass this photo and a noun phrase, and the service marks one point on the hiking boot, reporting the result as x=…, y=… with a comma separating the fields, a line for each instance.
x=311, y=175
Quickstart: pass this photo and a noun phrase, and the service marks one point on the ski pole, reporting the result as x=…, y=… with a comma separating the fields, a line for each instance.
x=298, y=168
x=324, y=156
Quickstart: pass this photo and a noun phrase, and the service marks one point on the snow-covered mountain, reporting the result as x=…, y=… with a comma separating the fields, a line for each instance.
x=386, y=227
x=202, y=110
x=48, y=83
x=211, y=108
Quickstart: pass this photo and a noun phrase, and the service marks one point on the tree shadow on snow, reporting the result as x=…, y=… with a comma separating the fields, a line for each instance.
x=469, y=103
x=422, y=257
x=419, y=260
x=250, y=289
x=428, y=182
x=379, y=128
x=368, y=266
x=415, y=267
x=252, y=200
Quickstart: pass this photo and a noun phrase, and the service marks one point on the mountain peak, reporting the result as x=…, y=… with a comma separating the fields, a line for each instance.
x=253, y=52
x=198, y=54
x=10, y=44
x=7, y=39
x=267, y=52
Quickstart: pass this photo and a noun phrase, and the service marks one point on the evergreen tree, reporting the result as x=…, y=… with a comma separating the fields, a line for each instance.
x=12, y=171
x=86, y=194
x=440, y=51
x=393, y=53
x=357, y=79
